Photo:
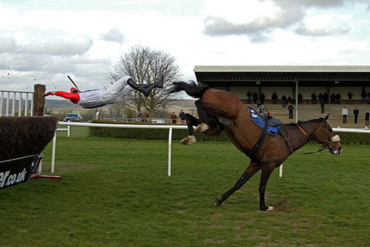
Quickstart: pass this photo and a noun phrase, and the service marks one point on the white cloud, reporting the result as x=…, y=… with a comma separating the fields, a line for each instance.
x=113, y=35
x=257, y=19
x=47, y=41
x=7, y=44
x=58, y=47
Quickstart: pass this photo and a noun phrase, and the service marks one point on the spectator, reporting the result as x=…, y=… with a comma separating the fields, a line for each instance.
x=332, y=98
x=322, y=104
x=262, y=98
x=368, y=95
x=289, y=99
x=363, y=97
x=274, y=98
x=356, y=111
x=345, y=114
x=249, y=97
x=300, y=98
x=283, y=100
x=173, y=118
x=337, y=98
x=143, y=116
x=320, y=97
x=367, y=118
x=314, y=98
x=325, y=97
x=350, y=95
x=255, y=97
x=182, y=116
x=290, y=109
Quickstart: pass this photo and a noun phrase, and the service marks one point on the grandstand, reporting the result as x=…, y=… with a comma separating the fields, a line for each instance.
x=291, y=80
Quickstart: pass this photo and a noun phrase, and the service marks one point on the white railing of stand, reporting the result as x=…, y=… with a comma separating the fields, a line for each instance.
x=16, y=96
x=170, y=128
x=126, y=126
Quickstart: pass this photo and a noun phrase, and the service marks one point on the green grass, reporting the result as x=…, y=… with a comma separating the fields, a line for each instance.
x=116, y=192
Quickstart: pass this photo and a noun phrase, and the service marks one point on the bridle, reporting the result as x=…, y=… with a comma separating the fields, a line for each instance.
x=329, y=140
x=328, y=144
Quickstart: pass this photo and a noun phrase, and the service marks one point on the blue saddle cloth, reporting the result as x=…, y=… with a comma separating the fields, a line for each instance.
x=260, y=120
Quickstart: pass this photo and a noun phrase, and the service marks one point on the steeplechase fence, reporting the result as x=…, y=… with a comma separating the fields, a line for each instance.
x=170, y=128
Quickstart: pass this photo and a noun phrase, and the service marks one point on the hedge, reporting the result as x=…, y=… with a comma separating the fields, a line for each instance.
x=22, y=136
x=179, y=134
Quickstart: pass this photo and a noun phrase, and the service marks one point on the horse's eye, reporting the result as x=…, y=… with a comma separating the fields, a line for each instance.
x=330, y=130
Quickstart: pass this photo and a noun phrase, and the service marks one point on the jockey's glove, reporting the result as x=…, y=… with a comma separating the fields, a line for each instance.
x=48, y=93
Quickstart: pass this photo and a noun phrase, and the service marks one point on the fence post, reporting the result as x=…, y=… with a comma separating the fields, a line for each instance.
x=20, y=105
x=53, y=152
x=169, y=151
x=39, y=100
x=1, y=103
x=281, y=170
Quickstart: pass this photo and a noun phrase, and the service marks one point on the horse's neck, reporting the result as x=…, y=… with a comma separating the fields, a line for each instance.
x=298, y=138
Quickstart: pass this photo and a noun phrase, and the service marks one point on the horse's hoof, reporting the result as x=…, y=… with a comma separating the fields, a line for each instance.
x=188, y=140
x=266, y=208
x=201, y=127
x=217, y=203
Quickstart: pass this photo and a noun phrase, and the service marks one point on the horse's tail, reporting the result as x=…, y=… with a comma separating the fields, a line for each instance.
x=192, y=89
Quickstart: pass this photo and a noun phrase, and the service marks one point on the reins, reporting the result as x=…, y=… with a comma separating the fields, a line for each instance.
x=322, y=148
x=304, y=132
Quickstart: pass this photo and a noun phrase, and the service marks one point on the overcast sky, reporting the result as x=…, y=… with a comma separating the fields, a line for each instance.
x=43, y=41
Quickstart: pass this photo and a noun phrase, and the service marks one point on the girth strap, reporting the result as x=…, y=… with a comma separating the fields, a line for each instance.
x=286, y=138
x=262, y=136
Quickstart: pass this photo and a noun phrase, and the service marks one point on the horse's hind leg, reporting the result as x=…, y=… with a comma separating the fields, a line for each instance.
x=265, y=175
x=249, y=172
x=190, y=122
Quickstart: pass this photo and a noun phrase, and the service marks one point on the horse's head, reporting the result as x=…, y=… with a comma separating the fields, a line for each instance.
x=324, y=134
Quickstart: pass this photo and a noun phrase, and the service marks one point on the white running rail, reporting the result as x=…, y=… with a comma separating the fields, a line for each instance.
x=170, y=128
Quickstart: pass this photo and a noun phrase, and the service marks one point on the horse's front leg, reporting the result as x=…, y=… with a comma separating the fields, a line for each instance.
x=248, y=173
x=190, y=122
x=209, y=123
x=267, y=169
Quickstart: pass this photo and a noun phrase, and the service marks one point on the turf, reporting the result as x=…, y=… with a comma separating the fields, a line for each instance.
x=116, y=192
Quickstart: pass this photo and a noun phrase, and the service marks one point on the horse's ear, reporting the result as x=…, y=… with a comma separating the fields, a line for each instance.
x=326, y=118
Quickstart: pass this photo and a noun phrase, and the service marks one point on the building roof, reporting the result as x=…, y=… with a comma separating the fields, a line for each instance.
x=283, y=75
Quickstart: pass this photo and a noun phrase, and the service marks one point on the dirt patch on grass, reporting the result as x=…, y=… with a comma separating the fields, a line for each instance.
x=281, y=205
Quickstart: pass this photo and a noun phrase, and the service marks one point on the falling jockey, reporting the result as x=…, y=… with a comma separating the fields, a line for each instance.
x=97, y=98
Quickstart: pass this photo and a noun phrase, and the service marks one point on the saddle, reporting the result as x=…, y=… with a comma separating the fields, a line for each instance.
x=273, y=124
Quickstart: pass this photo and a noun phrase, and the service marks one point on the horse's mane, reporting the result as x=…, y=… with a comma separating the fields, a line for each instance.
x=300, y=122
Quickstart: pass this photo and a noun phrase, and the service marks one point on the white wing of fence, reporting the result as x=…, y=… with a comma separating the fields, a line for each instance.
x=170, y=128
x=11, y=98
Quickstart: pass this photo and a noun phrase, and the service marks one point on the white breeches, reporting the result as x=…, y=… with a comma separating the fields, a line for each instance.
x=115, y=91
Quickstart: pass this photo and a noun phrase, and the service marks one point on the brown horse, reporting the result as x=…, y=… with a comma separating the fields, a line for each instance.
x=222, y=111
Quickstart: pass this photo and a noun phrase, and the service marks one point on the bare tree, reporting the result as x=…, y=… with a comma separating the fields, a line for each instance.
x=145, y=65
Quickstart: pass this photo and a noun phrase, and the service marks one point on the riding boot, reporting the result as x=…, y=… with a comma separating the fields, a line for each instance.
x=139, y=87
x=145, y=88
x=157, y=84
